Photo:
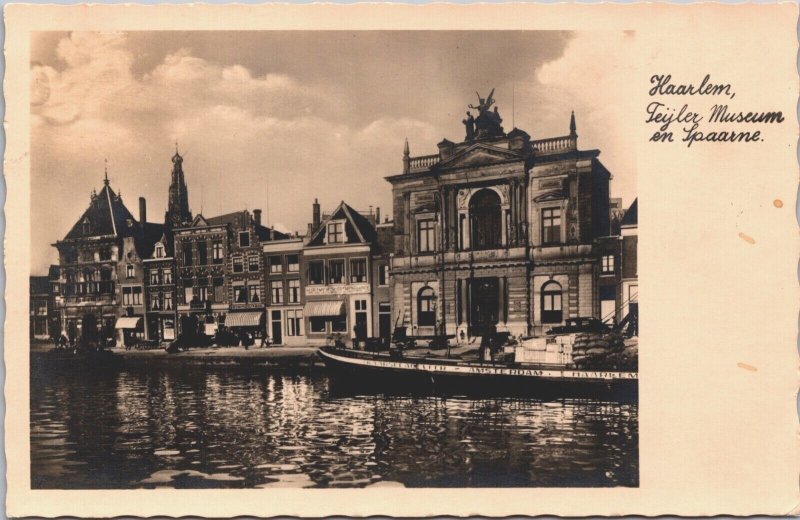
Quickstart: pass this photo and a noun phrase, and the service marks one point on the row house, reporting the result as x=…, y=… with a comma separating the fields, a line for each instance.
x=40, y=307
x=285, y=297
x=497, y=232
x=159, y=277
x=100, y=284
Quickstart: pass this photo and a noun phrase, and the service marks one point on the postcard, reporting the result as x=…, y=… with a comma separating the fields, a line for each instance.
x=357, y=260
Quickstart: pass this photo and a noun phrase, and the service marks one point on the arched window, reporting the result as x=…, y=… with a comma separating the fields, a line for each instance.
x=485, y=220
x=426, y=310
x=551, y=303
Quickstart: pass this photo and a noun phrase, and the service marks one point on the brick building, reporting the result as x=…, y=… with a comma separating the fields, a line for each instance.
x=285, y=294
x=40, y=307
x=497, y=231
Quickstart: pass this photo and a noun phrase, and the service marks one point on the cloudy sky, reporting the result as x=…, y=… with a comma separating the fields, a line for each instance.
x=272, y=120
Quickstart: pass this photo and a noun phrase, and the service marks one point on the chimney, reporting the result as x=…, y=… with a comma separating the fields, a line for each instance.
x=142, y=211
x=378, y=214
x=310, y=229
x=257, y=216
x=315, y=216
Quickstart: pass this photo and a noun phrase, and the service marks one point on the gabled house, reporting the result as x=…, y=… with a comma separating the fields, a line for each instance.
x=338, y=276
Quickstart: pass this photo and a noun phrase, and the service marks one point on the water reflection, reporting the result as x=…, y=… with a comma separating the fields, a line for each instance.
x=193, y=427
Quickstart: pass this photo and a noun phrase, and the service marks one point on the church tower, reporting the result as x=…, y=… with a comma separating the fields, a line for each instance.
x=178, y=212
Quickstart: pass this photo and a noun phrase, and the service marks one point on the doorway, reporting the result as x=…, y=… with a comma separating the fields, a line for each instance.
x=385, y=322
x=484, y=304
x=277, y=333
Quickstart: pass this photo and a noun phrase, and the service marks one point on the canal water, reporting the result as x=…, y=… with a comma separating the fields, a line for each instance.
x=230, y=427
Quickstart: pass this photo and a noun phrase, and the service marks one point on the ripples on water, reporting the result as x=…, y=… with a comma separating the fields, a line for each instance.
x=198, y=427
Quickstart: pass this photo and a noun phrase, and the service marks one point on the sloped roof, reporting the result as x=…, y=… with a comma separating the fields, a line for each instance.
x=357, y=228
x=631, y=217
x=239, y=218
x=54, y=272
x=40, y=285
x=106, y=215
x=144, y=240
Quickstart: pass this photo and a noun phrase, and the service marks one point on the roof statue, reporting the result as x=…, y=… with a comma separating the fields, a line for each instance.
x=487, y=124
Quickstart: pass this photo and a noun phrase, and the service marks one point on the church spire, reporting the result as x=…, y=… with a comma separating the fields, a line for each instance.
x=105, y=175
x=406, y=158
x=178, y=205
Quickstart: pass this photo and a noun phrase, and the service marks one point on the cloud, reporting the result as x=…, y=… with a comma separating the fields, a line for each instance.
x=272, y=120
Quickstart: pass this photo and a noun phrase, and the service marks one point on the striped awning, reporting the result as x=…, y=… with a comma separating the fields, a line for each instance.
x=244, y=319
x=129, y=322
x=324, y=308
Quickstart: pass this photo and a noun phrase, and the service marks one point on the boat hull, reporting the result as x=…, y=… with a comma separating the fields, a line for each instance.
x=351, y=371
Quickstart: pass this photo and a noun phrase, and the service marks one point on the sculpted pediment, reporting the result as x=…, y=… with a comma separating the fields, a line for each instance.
x=480, y=155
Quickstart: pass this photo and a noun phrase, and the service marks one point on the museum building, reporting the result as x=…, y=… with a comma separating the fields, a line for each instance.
x=497, y=232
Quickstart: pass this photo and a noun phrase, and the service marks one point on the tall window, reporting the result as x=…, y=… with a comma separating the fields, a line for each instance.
x=155, y=279
x=187, y=254
x=358, y=270
x=219, y=289
x=244, y=239
x=131, y=295
x=155, y=303
x=551, y=303
x=252, y=263
x=216, y=252
x=167, y=301
x=426, y=311
x=293, y=262
x=335, y=232
x=239, y=294
x=608, y=264
x=551, y=226
x=168, y=276
x=294, y=291
x=202, y=293
x=336, y=271
x=275, y=264
x=276, y=289
x=129, y=271
x=202, y=253
x=294, y=323
x=254, y=293
x=238, y=265
x=316, y=272
x=426, y=236
x=160, y=251
x=484, y=212
x=383, y=275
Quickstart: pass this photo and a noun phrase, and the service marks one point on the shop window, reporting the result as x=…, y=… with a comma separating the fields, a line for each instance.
x=358, y=270
x=316, y=272
x=336, y=271
x=551, y=303
x=293, y=261
x=426, y=310
x=317, y=324
x=339, y=324
x=551, y=226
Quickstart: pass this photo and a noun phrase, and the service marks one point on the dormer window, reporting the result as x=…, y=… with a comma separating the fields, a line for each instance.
x=86, y=226
x=159, y=251
x=335, y=232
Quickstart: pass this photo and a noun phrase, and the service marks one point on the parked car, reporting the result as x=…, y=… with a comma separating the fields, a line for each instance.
x=573, y=325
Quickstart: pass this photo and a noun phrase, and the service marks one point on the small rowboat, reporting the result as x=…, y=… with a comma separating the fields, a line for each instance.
x=390, y=373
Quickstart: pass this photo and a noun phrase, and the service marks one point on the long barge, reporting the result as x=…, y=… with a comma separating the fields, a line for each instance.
x=380, y=371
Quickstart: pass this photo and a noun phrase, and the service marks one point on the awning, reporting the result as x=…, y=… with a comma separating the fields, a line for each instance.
x=129, y=322
x=324, y=308
x=244, y=319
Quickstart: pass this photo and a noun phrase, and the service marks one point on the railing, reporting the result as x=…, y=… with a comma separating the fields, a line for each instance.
x=424, y=161
x=556, y=144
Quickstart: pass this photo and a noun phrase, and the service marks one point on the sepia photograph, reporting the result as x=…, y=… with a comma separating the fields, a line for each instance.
x=332, y=259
